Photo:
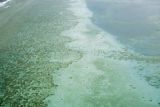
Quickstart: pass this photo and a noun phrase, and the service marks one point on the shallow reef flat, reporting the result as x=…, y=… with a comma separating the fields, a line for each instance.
x=52, y=55
x=31, y=50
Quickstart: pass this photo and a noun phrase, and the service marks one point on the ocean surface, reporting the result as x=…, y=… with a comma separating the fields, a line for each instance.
x=136, y=24
x=79, y=53
x=3, y=3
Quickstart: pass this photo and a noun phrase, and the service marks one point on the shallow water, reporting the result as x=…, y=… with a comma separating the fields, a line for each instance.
x=52, y=54
x=108, y=74
x=31, y=49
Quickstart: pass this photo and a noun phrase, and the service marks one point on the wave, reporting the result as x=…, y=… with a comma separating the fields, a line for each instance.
x=4, y=3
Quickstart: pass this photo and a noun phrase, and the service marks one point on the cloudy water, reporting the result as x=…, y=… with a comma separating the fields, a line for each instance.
x=135, y=24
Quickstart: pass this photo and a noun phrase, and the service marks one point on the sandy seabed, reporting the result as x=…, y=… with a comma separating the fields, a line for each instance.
x=108, y=74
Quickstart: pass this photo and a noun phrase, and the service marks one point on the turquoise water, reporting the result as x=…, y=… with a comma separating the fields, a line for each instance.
x=53, y=55
x=135, y=24
x=109, y=74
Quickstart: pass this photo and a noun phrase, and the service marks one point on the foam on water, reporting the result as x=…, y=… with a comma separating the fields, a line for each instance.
x=95, y=80
x=4, y=3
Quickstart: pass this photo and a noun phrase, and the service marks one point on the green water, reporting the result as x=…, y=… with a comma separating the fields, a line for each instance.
x=51, y=54
x=29, y=41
